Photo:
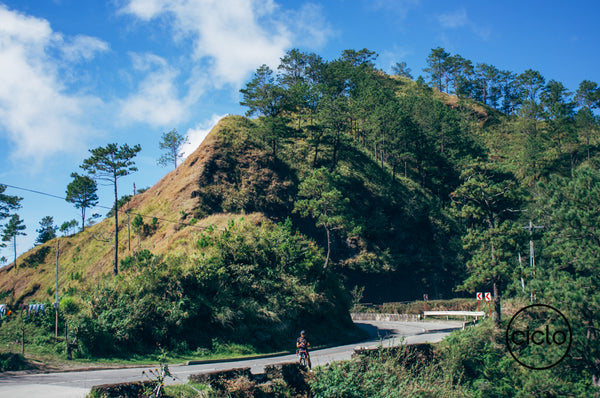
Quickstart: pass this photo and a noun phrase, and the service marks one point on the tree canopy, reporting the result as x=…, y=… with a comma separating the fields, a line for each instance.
x=47, y=230
x=171, y=143
x=82, y=193
x=108, y=164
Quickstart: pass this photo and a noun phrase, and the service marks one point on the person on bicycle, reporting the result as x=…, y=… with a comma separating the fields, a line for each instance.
x=302, y=345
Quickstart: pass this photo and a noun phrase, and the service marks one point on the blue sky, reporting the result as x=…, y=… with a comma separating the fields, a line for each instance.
x=76, y=75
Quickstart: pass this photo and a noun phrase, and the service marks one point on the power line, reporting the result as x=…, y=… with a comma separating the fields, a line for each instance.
x=105, y=207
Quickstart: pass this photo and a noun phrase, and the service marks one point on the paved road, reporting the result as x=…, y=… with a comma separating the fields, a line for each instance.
x=77, y=384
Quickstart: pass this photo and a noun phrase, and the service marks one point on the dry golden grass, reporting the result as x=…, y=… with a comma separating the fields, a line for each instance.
x=84, y=258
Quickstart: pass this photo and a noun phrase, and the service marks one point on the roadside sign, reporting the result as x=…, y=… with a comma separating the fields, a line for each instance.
x=479, y=296
x=425, y=297
x=488, y=296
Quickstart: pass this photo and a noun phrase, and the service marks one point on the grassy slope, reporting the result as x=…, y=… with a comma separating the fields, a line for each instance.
x=84, y=258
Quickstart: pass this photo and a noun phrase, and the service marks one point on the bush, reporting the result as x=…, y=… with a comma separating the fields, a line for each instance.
x=477, y=358
x=253, y=285
x=10, y=362
x=386, y=373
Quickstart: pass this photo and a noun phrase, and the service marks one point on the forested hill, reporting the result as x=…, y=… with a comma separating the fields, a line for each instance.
x=368, y=165
x=342, y=183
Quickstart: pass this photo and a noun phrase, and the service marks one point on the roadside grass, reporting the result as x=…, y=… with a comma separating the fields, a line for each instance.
x=53, y=356
x=188, y=390
x=43, y=351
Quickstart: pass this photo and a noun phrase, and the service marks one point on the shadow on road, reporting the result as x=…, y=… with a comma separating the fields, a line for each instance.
x=375, y=332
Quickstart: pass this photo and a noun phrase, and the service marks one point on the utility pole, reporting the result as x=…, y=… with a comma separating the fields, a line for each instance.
x=56, y=300
x=128, y=232
x=531, y=227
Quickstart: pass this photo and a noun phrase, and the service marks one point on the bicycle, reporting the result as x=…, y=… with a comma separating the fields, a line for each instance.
x=303, y=357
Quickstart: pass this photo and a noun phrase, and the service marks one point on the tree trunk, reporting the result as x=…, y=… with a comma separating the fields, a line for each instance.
x=328, y=250
x=336, y=144
x=587, y=143
x=15, y=247
x=116, y=265
x=496, y=305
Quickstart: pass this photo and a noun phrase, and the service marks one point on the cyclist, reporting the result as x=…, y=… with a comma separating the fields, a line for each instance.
x=302, y=345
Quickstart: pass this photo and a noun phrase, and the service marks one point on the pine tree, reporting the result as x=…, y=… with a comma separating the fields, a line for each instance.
x=323, y=202
x=265, y=97
x=47, y=230
x=487, y=202
x=570, y=277
x=109, y=164
x=82, y=193
x=14, y=228
x=8, y=203
x=171, y=143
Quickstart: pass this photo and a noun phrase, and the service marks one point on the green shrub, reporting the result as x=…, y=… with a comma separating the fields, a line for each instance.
x=10, y=362
x=250, y=287
x=387, y=373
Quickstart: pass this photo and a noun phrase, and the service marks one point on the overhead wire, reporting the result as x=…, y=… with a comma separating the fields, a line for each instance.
x=105, y=207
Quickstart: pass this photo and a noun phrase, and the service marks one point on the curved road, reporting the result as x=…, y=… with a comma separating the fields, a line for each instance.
x=78, y=383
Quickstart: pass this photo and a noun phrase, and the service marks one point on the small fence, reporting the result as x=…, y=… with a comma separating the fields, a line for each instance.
x=370, y=316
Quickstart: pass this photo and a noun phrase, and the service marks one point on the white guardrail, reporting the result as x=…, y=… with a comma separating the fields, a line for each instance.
x=464, y=314
x=372, y=316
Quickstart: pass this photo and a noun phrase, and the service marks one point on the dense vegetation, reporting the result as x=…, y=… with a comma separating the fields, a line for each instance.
x=406, y=188
x=508, y=152
x=252, y=285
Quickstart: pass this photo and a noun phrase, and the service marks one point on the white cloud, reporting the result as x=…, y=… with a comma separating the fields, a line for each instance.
x=157, y=100
x=310, y=27
x=197, y=134
x=458, y=19
x=454, y=19
x=36, y=112
x=236, y=36
x=145, y=9
x=83, y=48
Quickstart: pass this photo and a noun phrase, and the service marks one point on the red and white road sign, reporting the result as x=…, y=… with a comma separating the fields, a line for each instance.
x=425, y=297
x=488, y=296
x=479, y=296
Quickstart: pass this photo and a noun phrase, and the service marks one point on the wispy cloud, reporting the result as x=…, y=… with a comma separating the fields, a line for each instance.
x=455, y=19
x=459, y=19
x=399, y=8
x=83, y=48
x=310, y=28
x=156, y=100
x=37, y=113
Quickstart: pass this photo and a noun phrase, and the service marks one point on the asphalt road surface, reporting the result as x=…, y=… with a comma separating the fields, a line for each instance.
x=77, y=384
